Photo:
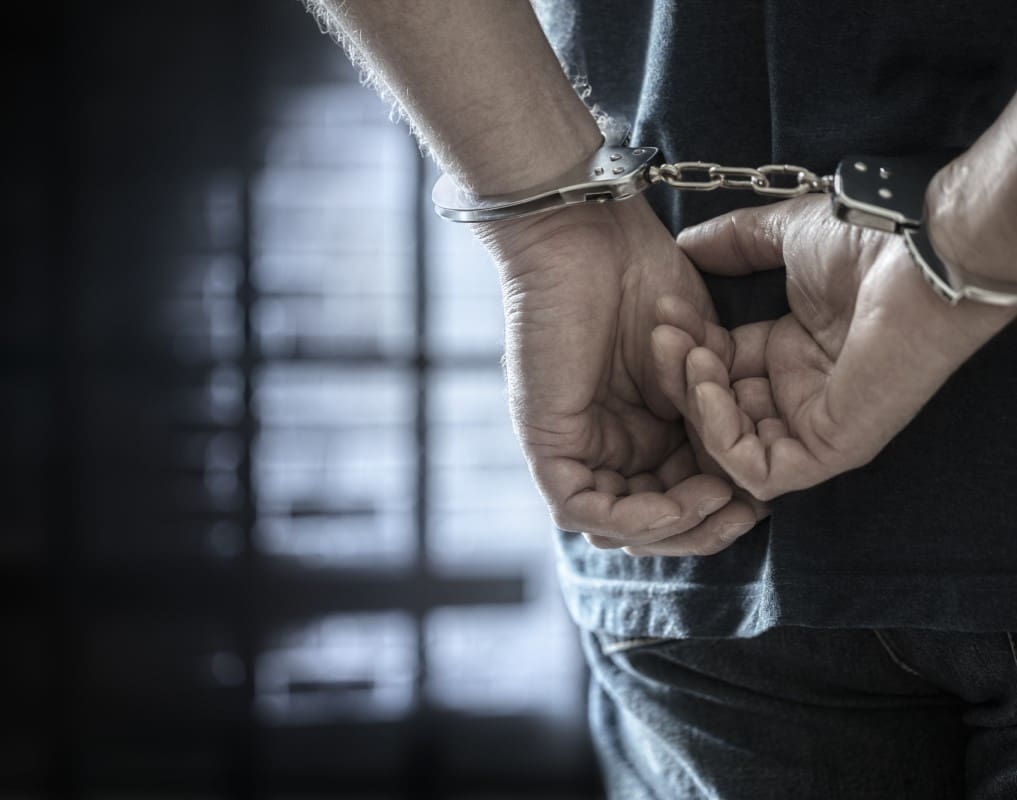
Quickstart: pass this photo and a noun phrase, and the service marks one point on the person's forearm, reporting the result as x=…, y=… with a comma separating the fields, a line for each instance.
x=479, y=82
x=972, y=203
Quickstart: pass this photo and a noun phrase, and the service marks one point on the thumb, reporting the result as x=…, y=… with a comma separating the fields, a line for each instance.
x=744, y=241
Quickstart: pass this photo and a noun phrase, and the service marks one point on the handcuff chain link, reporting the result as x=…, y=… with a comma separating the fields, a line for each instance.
x=700, y=176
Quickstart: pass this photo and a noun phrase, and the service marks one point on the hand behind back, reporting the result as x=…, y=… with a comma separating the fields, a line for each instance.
x=786, y=404
x=604, y=444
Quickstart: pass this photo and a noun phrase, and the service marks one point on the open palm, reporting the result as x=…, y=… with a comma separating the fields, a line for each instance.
x=786, y=404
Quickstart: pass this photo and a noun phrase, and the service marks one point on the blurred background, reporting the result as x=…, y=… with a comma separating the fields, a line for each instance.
x=266, y=531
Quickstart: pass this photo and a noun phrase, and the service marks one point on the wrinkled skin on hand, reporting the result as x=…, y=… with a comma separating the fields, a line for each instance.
x=604, y=444
x=786, y=404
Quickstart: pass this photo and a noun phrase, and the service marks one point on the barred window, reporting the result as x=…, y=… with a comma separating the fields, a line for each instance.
x=279, y=538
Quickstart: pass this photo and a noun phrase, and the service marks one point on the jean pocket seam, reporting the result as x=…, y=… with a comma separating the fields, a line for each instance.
x=1013, y=647
x=895, y=656
x=612, y=648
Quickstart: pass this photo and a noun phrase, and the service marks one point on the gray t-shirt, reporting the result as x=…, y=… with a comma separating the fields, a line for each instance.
x=926, y=535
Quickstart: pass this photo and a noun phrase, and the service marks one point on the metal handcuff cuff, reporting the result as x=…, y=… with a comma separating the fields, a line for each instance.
x=887, y=194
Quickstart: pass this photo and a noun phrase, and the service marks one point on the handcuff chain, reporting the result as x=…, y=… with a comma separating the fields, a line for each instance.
x=699, y=176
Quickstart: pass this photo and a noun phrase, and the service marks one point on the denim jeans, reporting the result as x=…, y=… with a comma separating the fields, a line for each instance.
x=797, y=713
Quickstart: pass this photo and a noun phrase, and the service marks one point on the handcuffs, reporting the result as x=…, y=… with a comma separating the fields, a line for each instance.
x=887, y=194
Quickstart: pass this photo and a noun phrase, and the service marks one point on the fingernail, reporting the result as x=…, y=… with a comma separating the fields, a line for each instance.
x=663, y=522
x=635, y=552
x=733, y=530
x=707, y=507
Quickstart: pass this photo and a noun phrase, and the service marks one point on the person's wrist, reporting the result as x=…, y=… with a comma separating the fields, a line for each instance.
x=521, y=154
x=528, y=245
x=963, y=234
x=968, y=217
x=512, y=158
x=520, y=159
x=948, y=218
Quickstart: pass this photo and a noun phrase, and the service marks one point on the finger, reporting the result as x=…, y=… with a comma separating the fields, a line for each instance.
x=699, y=497
x=644, y=482
x=710, y=537
x=721, y=425
x=670, y=346
x=742, y=350
x=609, y=481
x=761, y=509
x=602, y=542
x=578, y=504
x=747, y=358
x=770, y=430
x=678, y=466
x=755, y=397
x=765, y=469
x=617, y=517
x=664, y=542
x=702, y=365
x=704, y=460
x=667, y=354
x=744, y=241
x=718, y=339
x=604, y=503
x=679, y=313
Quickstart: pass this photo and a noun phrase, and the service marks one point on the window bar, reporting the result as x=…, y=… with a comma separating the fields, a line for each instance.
x=246, y=773
x=246, y=755
x=423, y=766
